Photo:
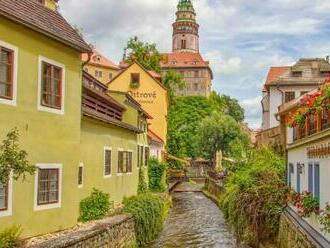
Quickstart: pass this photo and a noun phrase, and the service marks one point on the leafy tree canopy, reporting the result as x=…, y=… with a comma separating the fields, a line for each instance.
x=144, y=53
x=13, y=159
x=172, y=81
x=227, y=105
x=217, y=132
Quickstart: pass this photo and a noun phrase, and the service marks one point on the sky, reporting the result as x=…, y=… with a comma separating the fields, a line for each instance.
x=240, y=38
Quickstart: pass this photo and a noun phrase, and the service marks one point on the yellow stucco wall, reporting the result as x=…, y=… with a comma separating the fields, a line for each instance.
x=94, y=137
x=105, y=72
x=59, y=139
x=152, y=97
x=48, y=138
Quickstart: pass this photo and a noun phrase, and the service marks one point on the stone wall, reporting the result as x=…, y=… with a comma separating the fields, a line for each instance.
x=214, y=187
x=290, y=236
x=113, y=232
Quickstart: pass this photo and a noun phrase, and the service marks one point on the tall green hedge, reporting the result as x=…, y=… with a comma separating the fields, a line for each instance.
x=150, y=211
x=157, y=175
x=255, y=196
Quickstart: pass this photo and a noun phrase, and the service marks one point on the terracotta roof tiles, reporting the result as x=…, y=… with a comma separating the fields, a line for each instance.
x=99, y=60
x=275, y=73
x=183, y=59
x=32, y=14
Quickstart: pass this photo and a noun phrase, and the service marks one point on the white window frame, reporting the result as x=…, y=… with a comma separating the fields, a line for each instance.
x=81, y=165
x=9, y=211
x=12, y=102
x=44, y=108
x=107, y=148
x=36, y=180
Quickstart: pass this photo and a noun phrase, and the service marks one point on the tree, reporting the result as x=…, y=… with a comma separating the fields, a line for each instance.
x=144, y=53
x=184, y=117
x=217, y=132
x=173, y=81
x=13, y=159
x=227, y=105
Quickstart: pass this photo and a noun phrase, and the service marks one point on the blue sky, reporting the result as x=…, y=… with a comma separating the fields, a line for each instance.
x=241, y=38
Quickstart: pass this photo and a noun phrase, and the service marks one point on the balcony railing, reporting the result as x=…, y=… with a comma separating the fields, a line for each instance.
x=91, y=104
x=315, y=123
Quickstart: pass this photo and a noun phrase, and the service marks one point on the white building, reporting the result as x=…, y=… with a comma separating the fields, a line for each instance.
x=286, y=83
x=156, y=145
x=308, y=158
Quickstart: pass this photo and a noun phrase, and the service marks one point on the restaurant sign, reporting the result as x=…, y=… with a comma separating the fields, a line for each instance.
x=318, y=151
x=144, y=97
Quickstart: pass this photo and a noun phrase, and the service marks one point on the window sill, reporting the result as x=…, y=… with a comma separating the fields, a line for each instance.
x=51, y=110
x=80, y=186
x=107, y=176
x=47, y=207
x=119, y=174
x=6, y=213
x=11, y=102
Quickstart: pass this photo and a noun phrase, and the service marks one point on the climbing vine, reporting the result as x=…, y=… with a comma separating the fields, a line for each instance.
x=157, y=175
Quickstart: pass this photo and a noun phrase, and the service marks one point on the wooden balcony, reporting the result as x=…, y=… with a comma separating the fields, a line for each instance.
x=315, y=123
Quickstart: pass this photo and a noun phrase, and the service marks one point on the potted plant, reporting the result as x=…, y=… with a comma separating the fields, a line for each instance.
x=325, y=219
x=307, y=204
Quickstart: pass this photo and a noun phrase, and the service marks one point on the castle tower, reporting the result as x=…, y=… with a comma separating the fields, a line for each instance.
x=185, y=29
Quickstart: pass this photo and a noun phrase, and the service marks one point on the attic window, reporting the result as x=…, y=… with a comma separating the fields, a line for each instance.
x=135, y=80
x=173, y=62
x=297, y=73
x=97, y=58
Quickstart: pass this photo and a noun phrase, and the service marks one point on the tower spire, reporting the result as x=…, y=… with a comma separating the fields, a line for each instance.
x=185, y=28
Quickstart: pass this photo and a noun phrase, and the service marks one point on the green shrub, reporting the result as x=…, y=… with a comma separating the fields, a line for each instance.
x=157, y=175
x=95, y=207
x=255, y=196
x=142, y=186
x=9, y=237
x=150, y=211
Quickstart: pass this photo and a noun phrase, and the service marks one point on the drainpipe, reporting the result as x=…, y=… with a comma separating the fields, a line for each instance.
x=88, y=59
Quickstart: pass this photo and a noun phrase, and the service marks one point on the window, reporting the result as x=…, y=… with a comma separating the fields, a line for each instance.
x=314, y=179
x=6, y=198
x=3, y=196
x=51, y=86
x=297, y=73
x=125, y=160
x=196, y=74
x=6, y=73
x=80, y=175
x=110, y=76
x=303, y=93
x=107, y=161
x=140, y=156
x=195, y=86
x=299, y=169
x=98, y=74
x=183, y=44
x=289, y=96
x=48, y=186
x=8, y=69
x=146, y=155
x=135, y=79
x=291, y=171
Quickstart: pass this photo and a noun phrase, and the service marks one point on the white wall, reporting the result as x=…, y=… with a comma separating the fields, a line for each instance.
x=156, y=150
x=299, y=155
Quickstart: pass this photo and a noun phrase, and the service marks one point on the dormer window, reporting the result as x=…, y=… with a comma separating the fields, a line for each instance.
x=97, y=58
x=173, y=62
x=297, y=73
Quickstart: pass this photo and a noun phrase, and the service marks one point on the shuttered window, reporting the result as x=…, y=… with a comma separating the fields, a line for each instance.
x=6, y=73
x=48, y=186
x=317, y=180
x=310, y=178
x=51, y=86
x=298, y=178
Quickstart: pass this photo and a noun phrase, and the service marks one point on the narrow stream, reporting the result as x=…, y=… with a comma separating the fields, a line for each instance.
x=195, y=221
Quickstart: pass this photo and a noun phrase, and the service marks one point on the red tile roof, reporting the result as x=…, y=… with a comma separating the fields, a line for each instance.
x=33, y=15
x=275, y=72
x=154, y=137
x=99, y=60
x=183, y=59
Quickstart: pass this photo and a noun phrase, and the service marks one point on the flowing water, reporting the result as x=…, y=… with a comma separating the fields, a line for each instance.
x=195, y=221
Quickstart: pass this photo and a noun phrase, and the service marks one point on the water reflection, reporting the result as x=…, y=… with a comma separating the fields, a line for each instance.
x=195, y=221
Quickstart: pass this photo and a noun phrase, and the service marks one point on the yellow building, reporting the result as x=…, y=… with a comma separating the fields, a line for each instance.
x=100, y=67
x=76, y=135
x=145, y=88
